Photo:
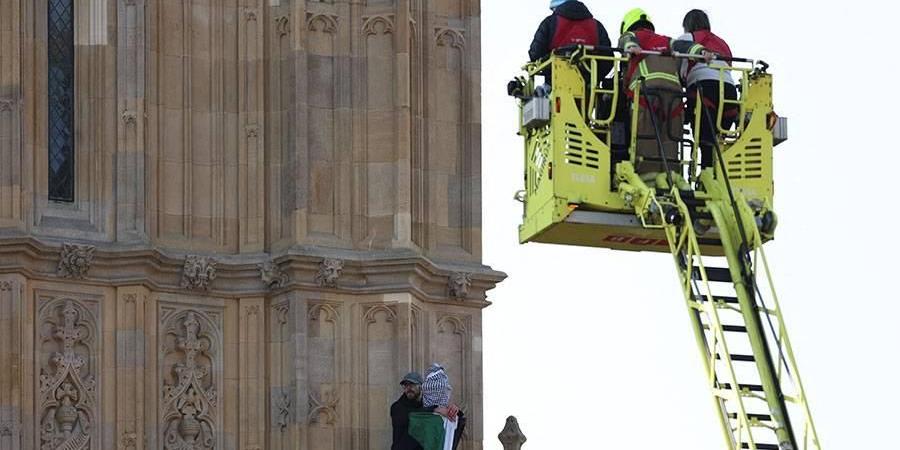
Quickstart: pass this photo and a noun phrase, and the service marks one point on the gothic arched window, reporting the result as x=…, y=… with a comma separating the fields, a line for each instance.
x=61, y=97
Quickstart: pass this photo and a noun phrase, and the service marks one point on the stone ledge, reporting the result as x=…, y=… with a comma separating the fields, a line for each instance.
x=235, y=276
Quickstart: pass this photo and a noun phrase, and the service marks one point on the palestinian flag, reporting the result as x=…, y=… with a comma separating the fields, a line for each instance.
x=432, y=431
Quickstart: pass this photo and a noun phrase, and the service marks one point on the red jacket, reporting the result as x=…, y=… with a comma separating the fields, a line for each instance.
x=575, y=32
x=711, y=42
x=648, y=40
x=658, y=72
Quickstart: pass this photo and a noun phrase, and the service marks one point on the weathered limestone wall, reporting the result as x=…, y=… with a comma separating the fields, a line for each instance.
x=277, y=215
x=242, y=126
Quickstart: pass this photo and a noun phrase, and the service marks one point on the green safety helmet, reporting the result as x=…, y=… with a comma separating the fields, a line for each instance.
x=634, y=16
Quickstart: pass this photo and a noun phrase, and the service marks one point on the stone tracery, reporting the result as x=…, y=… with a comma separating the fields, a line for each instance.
x=189, y=393
x=67, y=380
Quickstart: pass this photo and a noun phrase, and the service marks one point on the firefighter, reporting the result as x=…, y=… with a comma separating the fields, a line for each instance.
x=570, y=24
x=660, y=90
x=700, y=76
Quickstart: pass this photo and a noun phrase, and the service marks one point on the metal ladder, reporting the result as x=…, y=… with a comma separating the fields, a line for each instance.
x=748, y=360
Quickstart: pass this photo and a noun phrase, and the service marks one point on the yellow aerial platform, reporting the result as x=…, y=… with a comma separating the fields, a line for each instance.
x=589, y=183
x=571, y=194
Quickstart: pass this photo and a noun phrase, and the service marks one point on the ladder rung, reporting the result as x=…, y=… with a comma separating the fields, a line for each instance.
x=743, y=358
x=751, y=416
x=762, y=446
x=748, y=387
x=719, y=298
x=709, y=241
x=719, y=274
x=730, y=328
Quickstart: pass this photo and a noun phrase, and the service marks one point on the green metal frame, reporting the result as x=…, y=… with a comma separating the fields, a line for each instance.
x=779, y=383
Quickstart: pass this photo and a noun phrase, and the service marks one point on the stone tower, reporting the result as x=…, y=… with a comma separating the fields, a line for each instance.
x=235, y=224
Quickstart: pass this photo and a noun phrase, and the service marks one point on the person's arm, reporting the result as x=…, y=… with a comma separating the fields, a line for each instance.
x=683, y=45
x=540, y=45
x=443, y=410
x=629, y=43
x=685, y=64
x=686, y=46
x=603, y=41
x=450, y=411
x=399, y=417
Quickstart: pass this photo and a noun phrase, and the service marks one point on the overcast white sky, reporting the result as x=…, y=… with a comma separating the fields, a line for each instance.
x=592, y=349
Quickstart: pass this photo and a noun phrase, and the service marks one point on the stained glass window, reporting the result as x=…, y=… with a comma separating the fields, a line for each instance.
x=61, y=96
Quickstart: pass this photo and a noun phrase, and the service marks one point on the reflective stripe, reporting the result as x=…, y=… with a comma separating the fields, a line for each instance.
x=647, y=75
x=654, y=76
x=663, y=76
x=696, y=49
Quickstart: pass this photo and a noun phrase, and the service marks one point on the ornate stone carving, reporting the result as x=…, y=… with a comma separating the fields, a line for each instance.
x=330, y=270
x=129, y=117
x=458, y=285
x=322, y=346
x=281, y=313
x=252, y=130
x=189, y=391
x=317, y=311
x=451, y=37
x=456, y=324
x=326, y=23
x=75, y=260
x=67, y=377
x=283, y=407
x=6, y=286
x=380, y=24
x=6, y=104
x=371, y=315
x=7, y=429
x=272, y=275
x=250, y=15
x=198, y=272
x=511, y=437
x=129, y=439
x=324, y=410
x=283, y=25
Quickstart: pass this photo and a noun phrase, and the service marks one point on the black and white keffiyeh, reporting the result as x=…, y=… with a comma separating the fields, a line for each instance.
x=436, y=388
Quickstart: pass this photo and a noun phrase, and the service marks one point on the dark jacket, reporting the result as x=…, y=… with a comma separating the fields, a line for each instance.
x=400, y=419
x=572, y=10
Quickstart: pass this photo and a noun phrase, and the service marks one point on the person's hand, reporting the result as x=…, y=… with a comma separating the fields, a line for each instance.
x=442, y=410
x=452, y=411
x=634, y=50
x=448, y=412
x=708, y=56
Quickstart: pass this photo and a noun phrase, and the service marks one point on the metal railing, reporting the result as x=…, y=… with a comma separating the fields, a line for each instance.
x=588, y=59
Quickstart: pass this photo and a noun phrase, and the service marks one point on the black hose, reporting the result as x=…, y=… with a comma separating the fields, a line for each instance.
x=662, y=152
x=746, y=268
x=746, y=263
